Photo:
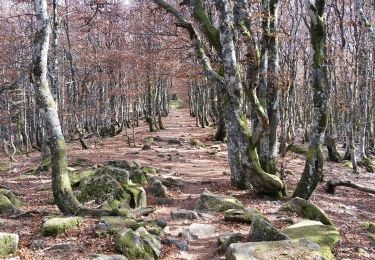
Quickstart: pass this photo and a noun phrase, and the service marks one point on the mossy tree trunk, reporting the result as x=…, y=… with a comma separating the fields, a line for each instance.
x=246, y=170
x=313, y=171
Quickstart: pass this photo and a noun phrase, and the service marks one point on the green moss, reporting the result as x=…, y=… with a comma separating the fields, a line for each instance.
x=8, y=243
x=148, y=170
x=216, y=203
x=196, y=142
x=11, y=196
x=58, y=225
x=347, y=164
x=4, y=166
x=76, y=177
x=174, y=104
x=243, y=215
x=137, y=193
x=110, y=225
x=299, y=149
x=326, y=236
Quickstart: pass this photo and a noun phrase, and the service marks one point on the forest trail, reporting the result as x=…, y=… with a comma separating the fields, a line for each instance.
x=198, y=168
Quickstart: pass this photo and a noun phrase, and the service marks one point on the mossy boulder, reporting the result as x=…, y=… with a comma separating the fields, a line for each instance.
x=307, y=210
x=76, y=177
x=347, y=164
x=109, y=225
x=261, y=230
x=137, y=244
x=4, y=166
x=299, y=149
x=283, y=249
x=209, y=202
x=103, y=188
x=196, y=143
x=326, y=236
x=225, y=240
x=138, y=195
x=11, y=196
x=158, y=189
x=120, y=175
x=122, y=171
x=7, y=207
x=57, y=225
x=124, y=164
x=8, y=243
x=243, y=215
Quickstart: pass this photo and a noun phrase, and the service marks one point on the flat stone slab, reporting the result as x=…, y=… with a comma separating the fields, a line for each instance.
x=202, y=230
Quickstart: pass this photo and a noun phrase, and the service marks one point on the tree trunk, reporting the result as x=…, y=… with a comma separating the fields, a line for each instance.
x=313, y=171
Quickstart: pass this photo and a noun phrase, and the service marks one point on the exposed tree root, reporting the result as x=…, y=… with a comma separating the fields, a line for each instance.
x=333, y=183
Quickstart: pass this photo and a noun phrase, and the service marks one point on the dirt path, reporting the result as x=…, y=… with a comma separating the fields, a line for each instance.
x=197, y=169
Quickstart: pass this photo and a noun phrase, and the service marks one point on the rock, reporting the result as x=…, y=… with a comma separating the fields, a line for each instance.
x=202, y=230
x=196, y=142
x=122, y=176
x=184, y=214
x=307, y=210
x=123, y=164
x=61, y=246
x=109, y=225
x=154, y=227
x=371, y=228
x=243, y=215
x=187, y=235
x=225, y=240
x=171, y=182
x=158, y=189
x=123, y=168
x=283, y=249
x=208, y=202
x=108, y=257
x=181, y=244
x=8, y=243
x=11, y=196
x=4, y=166
x=57, y=225
x=326, y=236
x=261, y=230
x=103, y=188
x=148, y=170
x=174, y=141
x=6, y=206
x=76, y=177
x=146, y=147
x=138, y=195
x=164, y=201
x=137, y=244
x=37, y=245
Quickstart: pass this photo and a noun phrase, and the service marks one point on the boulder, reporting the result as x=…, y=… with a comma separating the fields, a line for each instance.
x=122, y=168
x=261, y=230
x=76, y=177
x=209, y=202
x=171, y=182
x=307, y=210
x=103, y=188
x=109, y=225
x=57, y=225
x=108, y=257
x=184, y=214
x=283, y=249
x=202, y=230
x=158, y=189
x=225, y=240
x=137, y=195
x=11, y=196
x=187, y=235
x=154, y=227
x=180, y=244
x=196, y=143
x=4, y=166
x=137, y=244
x=299, y=148
x=6, y=206
x=8, y=243
x=146, y=147
x=326, y=236
x=120, y=175
x=243, y=215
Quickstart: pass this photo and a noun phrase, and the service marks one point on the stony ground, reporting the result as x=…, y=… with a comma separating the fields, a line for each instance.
x=198, y=170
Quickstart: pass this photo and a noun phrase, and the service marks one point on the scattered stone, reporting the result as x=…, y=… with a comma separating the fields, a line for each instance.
x=108, y=257
x=158, y=189
x=11, y=196
x=202, y=230
x=326, y=236
x=196, y=143
x=58, y=225
x=181, y=244
x=146, y=147
x=138, y=195
x=187, y=235
x=154, y=227
x=283, y=249
x=8, y=243
x=225, y=240
x=208, y=202
x=164, y=201
x=174, y=141
x=137, y=244
x=243, y=215
x=171, y=182
x=102, y=188
x=36, y=245
x=261, y=230
x=6, y=206
x=4, y=166
x=307, y=210
x=184, y=214
x=109, y=225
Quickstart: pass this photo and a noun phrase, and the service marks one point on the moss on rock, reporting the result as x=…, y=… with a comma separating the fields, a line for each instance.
x=8, y=243
x=109, y=225
x=11, y=196
x=299, y=149
x=217, y=203
x=196, y=143
x=307, y=210
x=326, y=236
x=243, y=215
x=6, y=206
x=137, y=193
x=57, y=225
x=4, y=166
x=76, y=177
x=261, y=230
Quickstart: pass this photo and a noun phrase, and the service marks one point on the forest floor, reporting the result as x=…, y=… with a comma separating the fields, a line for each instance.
x=198, y=170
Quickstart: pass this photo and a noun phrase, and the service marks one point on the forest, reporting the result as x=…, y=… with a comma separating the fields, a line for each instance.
x=187, y=129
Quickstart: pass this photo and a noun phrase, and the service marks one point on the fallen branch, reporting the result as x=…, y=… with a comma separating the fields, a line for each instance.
x=333, y=183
